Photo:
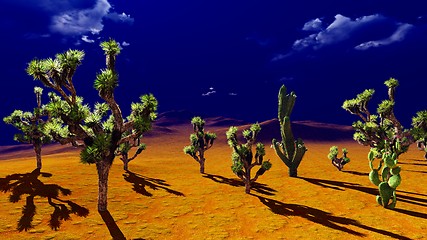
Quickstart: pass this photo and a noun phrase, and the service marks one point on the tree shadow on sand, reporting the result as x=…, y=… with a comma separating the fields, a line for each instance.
x=341, y=186
x=257, y=187
x=321, y=217
x=111, y=224
x=140, y=184
x=28, y=184
x=356, y=173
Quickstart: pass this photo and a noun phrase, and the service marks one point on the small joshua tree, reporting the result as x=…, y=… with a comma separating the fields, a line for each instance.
x=32, y=125
x=386, y=137
x=200, y=142
x=124, y=149
x=243, y=158
x=338, y=162
x=419, y=130
x=102, y=132
x=289, y=150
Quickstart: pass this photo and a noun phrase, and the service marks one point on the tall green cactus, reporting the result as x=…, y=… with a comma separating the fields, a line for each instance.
x=390, y=177
x=289, y=150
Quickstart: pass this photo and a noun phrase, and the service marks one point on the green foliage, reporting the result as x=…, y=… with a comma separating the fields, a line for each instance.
x=243, y=159
x=289, y=150
x=391, y=83
x=200, y=142
x=98, y=150
x=106, y=81
x=110, y=47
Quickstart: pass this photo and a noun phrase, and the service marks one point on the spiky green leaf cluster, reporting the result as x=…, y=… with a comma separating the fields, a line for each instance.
x=419, y=126
x=98, y=150
x=385, y=108
x=110, y=47
x=106, y=81
x=392, y=83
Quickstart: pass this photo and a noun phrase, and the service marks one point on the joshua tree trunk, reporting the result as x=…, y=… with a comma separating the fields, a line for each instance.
x=248, y=182
x=103, y=168
x=38, y=150
x=293, y=171
x=202, y=163
x=125, y=160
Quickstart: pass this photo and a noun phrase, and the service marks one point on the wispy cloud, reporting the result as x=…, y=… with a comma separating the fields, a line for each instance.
x=123, y=17
x=86, y=39
x=398, y=36
x=209, y=93
x=232, y=94
x=313, y=25
x=125, y=44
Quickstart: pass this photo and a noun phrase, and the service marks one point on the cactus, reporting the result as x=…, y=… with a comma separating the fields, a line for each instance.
x=338, y=162
x=386, y=137
x=200, y=142
x=390, y=177
x=290, y=151
x=243, y=158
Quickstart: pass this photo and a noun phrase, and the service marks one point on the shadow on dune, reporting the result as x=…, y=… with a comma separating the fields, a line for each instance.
x=415, y=164
x=28, y=184
x=115, y=231
x=356, y=173
x=257, y=187
x=321, y=217
x=140, y=184
x=416, y=171
x=341, y=186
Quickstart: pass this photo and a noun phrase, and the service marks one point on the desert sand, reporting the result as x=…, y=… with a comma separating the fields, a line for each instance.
x=165, y=197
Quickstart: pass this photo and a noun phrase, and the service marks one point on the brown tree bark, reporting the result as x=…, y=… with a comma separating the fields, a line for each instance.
x=38, y=150
x=103, y=168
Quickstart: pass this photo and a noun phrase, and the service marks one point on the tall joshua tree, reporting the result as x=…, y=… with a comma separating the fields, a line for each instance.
x=243, y=158
x=289, y=150
x=200, y=142
x=101, y=131
x=32, y=126
x=386, y=137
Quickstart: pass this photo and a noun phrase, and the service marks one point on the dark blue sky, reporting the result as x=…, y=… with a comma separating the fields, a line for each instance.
x=225, y=57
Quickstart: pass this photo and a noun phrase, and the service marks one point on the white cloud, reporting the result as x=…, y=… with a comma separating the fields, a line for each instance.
x=232, y=94
x=123, y=17
x=210, y=92
x=86, y=39
x=313, y=25
x=341, y=29
x=125, y=44
x=398, y=36
x=76, y=22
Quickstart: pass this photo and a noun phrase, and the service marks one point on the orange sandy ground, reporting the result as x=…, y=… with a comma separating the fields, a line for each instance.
x=322, y=203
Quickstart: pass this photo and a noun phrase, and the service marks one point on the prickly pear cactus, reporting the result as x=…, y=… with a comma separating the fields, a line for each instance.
x=389, y=179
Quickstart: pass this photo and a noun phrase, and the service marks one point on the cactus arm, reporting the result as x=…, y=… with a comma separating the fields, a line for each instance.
x=279, y=153
x=299, y=155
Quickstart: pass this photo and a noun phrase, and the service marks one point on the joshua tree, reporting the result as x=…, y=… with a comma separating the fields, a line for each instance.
x=338, y=162
x=200, y=142
x=419, y=130
x=32, y=125
x=386, y=137
x=375, y=130
x=290, y=151
x=243, y=158
x=124, y=148
x=99, y=135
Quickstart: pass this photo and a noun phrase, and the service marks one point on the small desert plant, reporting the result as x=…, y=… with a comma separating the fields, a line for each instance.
x=32, y=126
x=200, y=142
x=386, y=137
x=290, y=151
x=419, y=130
x=124, y=149
x=338, y=162
x=243, y=158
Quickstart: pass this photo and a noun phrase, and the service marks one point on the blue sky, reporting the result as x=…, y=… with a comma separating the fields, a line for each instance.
x=225, y=57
